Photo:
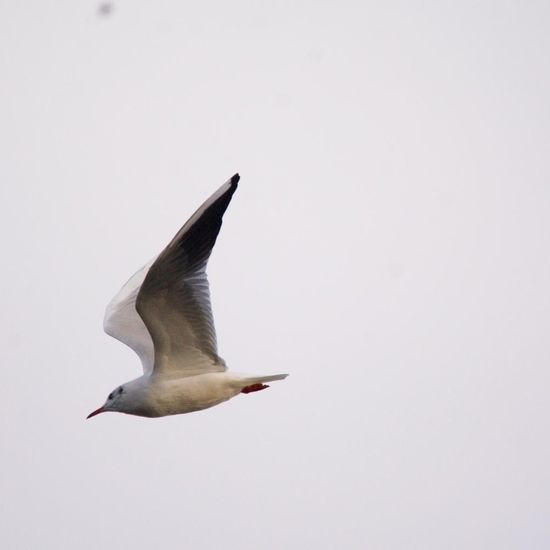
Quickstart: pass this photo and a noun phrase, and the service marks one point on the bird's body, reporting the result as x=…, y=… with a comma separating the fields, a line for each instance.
x=162, y=396
x=163, y=313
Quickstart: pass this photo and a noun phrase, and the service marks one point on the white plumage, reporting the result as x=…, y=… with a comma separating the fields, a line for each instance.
x=163, y=313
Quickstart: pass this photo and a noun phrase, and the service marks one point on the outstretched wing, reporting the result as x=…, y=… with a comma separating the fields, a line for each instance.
x=174, y=298
x=123, y=322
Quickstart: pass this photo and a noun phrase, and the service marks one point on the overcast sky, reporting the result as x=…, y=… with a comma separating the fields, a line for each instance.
x=387, y=246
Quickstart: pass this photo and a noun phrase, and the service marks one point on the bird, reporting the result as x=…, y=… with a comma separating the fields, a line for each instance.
x=164, y=314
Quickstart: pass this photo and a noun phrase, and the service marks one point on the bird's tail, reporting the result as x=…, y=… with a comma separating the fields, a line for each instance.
x=262, y=379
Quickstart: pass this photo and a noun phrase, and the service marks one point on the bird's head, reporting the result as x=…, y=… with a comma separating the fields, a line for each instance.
x=114, y=402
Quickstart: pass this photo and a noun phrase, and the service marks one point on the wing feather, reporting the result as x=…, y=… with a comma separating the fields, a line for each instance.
x=122, y=321
x=174, y=298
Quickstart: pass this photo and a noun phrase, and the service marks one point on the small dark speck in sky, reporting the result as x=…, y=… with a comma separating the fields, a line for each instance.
x=105, y=9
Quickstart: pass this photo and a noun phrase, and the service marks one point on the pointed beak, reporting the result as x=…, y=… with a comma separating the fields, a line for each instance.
x=97, y=411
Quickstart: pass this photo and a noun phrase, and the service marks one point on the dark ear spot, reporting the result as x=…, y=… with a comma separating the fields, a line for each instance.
x=120, y=390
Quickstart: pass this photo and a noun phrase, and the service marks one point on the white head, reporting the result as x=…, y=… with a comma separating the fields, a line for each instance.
x=114, y=402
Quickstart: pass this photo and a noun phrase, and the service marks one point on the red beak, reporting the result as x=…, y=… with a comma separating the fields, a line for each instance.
x=97, y=411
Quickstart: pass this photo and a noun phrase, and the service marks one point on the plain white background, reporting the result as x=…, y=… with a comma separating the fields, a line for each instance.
x=387, y=246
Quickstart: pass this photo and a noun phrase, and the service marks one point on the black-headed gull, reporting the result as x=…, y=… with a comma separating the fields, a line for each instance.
x=163, y=313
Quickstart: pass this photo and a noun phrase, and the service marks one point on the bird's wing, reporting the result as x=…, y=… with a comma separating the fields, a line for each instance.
x=123, y=322
x=174, y=299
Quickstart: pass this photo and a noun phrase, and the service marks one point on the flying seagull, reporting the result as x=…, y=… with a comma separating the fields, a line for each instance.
x=163, y=313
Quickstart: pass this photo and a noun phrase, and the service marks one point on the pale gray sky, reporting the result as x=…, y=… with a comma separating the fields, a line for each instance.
x=388, y=246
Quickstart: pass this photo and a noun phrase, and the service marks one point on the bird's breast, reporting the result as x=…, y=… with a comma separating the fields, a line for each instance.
x=192, y=393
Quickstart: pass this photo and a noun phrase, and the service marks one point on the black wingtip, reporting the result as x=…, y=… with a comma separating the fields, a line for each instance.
x=235, y=179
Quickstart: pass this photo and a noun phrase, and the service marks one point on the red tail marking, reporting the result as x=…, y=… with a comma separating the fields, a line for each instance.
x=254, y=387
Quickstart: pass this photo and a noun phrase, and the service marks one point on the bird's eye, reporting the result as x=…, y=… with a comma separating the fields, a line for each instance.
x=110, y=396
